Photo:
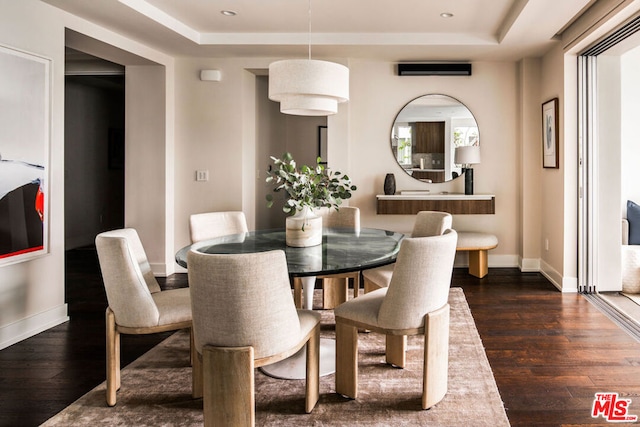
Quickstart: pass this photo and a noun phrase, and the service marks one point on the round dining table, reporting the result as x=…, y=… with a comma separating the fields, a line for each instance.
x=341, y=251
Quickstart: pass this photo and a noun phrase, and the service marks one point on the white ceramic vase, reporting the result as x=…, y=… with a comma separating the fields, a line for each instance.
x=304, y=229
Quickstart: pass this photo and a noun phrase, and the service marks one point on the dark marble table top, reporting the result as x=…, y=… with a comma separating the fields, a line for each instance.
x=341, y=251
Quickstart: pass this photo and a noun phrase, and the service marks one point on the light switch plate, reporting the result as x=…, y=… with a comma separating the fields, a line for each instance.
x=202, y=175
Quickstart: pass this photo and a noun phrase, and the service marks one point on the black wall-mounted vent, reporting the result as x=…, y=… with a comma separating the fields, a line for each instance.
x=434, y=69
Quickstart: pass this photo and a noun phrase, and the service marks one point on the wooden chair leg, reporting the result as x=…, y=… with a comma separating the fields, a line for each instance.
x=396, y=350
x=436, y=357
x=297, y=292
x=229, y=391
x=356, y=284
x=117, y=359
x=197, y=378
x=192, y=351
x=196, y=371
x=113, y=358
x=346, y=360
x=334, y=292
x=312, y=386
x=479, y=263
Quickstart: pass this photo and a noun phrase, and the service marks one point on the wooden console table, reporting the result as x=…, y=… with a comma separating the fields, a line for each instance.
x=459, y=204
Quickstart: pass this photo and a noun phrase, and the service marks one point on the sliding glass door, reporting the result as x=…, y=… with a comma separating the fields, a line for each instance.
x=608, y=105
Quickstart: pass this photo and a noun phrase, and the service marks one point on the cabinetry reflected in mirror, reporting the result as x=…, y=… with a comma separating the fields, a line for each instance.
x=426, y=133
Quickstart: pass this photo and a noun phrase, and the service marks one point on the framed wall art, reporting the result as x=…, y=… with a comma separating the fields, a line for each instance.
x=322, y=144
x=25, y=84
x=550, y=145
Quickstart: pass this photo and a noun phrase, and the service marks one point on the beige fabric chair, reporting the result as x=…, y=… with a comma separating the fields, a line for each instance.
x=136, y=303
x=427, y=223
x=205, y=226
x=414, y=303
x=243, y=318
x=335, y=287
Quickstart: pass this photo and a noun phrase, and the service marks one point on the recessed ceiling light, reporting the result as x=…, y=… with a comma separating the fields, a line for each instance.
x=228, y=12
x=446, y=15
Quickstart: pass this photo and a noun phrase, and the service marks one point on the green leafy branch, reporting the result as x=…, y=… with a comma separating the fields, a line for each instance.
x=307, y=187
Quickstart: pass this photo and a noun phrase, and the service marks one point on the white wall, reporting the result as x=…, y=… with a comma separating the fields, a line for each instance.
x=210, y=117
x=216, y=131
x=569, y=164
x=145, y=174
x=32, y=292
x=558, y=186
x=529, y=160
x=213, y=131
x=490, y=94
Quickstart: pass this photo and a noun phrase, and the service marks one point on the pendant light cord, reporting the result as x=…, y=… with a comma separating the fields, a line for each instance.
x=309, y=36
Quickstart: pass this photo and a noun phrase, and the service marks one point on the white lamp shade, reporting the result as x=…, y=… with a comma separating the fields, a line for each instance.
x=308, y=87
x=467, y=155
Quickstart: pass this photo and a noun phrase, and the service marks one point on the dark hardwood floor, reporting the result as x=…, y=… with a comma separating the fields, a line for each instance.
x=42, y=375
x=550, y=352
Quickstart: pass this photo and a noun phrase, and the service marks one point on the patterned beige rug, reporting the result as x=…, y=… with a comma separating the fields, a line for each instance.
x=156, y=388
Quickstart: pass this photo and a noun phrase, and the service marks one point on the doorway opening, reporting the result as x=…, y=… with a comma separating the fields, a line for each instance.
x=94, y=147
x=277, y=133
x=113, y=95
x=94, y=169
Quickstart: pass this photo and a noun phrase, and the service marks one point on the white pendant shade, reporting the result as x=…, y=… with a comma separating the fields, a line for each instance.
x=308, y=87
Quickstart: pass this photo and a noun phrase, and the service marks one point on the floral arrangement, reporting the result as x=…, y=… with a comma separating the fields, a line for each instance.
x=307, y=187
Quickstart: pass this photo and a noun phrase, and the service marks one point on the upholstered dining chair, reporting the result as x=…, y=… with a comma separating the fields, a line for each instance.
x=414, y=303
x=427, y=223
x=209, y=225
x=243, y=318
x=137, y=305
x=335, y=287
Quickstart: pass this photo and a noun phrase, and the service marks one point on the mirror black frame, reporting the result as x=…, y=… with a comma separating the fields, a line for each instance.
x=426, y=166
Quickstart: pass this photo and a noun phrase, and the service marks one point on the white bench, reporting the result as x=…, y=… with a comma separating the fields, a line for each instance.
x=477, y=244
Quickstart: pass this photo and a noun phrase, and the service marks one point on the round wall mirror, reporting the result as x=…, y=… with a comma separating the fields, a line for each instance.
x=426, y=133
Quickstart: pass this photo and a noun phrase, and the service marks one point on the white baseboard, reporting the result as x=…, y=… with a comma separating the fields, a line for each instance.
x=163, y=270
x=529, y=265
x=495, y=261
x=564, y=284
x=570, y=284
x=159, y=269
x=503, y=261
x=26, y=328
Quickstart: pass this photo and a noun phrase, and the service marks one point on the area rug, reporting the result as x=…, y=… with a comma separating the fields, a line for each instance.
x=156, y=388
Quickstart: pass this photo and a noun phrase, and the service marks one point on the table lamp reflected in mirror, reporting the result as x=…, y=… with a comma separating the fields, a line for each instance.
x=467, y=156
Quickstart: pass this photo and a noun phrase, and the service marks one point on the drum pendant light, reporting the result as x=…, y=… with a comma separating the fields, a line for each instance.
x=307, y=87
